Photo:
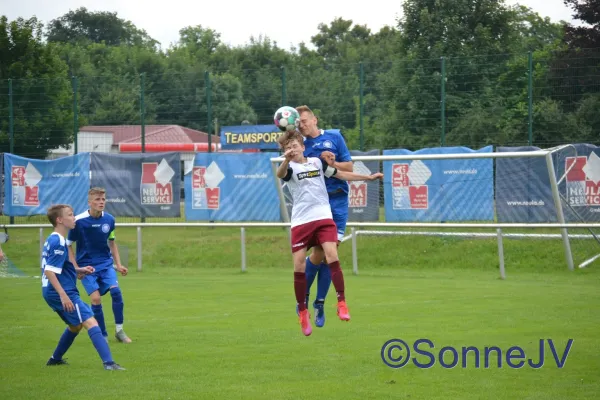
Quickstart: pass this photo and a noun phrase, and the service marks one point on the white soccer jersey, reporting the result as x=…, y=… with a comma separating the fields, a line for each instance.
x=307, y=185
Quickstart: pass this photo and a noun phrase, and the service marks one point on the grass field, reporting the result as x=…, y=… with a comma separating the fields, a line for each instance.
x=202, y=329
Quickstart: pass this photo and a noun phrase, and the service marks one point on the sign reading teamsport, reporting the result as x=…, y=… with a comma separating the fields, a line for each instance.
x=250, y=137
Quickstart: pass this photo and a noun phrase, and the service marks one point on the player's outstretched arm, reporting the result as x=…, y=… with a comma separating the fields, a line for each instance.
x=329, y=158
x=351, y=176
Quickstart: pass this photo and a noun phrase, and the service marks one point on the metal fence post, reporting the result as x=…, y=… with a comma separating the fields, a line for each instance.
x=75, y=115
x=443, y=101
x=139, y=249
x=207, y=85
x=530, y=97
x=11, y=128
x=361, y=107
x=283, y=87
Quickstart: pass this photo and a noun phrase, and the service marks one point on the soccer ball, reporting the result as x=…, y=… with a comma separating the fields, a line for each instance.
x=286, y=118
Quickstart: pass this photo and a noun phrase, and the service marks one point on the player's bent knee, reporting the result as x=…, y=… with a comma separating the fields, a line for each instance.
x=331, y=253
x=317, y=258
x=95, y=298
x=116, y=294
x=75, y=328
x=300, y=261
x=90, y=323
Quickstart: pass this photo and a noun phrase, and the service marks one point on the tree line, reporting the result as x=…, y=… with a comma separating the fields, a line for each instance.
x=462, y=73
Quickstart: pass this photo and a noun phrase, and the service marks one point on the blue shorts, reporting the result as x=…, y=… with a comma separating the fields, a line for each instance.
x=339, y=210
x=101, y=281
x=82, y=311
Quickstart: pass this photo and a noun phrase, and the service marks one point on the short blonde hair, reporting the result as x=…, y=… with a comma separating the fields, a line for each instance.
x=56, y=211
x=95, y=191
x=304, y=108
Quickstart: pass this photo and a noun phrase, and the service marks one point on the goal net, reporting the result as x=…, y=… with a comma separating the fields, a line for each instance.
x=521, y=193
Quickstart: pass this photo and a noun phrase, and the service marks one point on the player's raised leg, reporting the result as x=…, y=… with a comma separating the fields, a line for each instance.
x=323, y=284
x=339, y=211
x=299, y=257
x=337, y=277
x=312, y=269
x=100, y=344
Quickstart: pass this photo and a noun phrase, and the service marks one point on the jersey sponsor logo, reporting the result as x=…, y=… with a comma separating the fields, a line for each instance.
x=59, y=252
x=105, y=228
x=156, y=187
x=309, y=174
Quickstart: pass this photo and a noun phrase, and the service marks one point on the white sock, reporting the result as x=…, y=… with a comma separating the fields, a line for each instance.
x=119, y=327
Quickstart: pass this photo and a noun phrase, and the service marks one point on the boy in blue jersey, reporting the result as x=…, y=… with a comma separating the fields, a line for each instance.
x=330, y=146
x=94, y=235
x=59, y=289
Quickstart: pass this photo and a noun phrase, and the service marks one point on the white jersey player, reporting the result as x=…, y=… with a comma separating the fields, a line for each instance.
x=312, y=222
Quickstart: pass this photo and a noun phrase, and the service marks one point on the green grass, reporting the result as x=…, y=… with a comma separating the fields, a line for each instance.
x=202, y=329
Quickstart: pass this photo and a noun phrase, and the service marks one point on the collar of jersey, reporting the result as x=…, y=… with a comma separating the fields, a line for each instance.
x=321, y=133
x=60, y=237
x=87, y=212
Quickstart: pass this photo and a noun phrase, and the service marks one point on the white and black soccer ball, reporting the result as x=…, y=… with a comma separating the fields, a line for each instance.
x=287, y=119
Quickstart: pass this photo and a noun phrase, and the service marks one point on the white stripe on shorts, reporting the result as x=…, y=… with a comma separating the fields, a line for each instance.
x=78, y=313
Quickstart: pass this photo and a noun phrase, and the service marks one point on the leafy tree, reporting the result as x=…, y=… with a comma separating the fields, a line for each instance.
x=42, y=99
x=82, y=26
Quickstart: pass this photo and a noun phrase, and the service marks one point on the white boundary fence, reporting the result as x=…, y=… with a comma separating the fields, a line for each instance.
x=354, y=233
x=547, y=154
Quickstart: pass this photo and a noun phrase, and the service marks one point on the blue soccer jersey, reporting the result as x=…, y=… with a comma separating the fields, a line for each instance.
x=91, y=236
x=55, y=258
x=333, y=141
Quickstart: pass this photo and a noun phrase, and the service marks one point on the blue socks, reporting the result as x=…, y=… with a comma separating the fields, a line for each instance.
x=66, y=340
x=311, y=274
x=99, y=315
x=117, y=304
x=100, y=344
x=117, y=307
x=323, y=281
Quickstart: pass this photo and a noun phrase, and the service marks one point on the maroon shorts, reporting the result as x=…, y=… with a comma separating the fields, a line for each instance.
x=313, y=234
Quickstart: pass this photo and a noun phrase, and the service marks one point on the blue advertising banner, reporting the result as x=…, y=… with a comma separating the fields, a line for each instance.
x=37, y=184
x=139, y=185
x=523, y=191
x=439, y=190
x=250, y=137
x=232, y=187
